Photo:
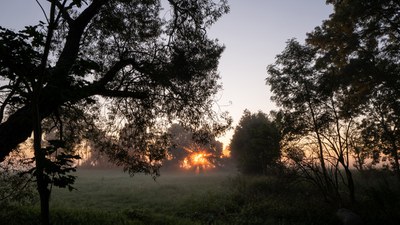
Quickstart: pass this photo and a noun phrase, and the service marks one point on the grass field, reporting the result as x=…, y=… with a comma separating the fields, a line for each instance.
x=114, y=190
x=112, y=197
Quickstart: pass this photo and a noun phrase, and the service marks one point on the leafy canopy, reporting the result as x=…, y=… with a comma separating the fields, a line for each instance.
x=124, y=69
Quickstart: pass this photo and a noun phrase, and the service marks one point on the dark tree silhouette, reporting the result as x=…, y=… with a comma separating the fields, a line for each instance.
x=180, y=138
x=145, y=66
x=184, y=144
x=255, y=143
x=359, y=48
x=312, y=119
x=347, y=71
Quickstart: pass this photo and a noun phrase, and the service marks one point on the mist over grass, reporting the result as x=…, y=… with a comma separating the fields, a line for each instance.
x=112, y=197
x=113, y=190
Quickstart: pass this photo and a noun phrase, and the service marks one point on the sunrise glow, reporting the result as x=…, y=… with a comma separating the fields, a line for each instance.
x=226, y=153
x=198, y=160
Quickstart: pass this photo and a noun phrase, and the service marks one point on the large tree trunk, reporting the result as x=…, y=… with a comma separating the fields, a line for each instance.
x=44, y=194
x=40, y=160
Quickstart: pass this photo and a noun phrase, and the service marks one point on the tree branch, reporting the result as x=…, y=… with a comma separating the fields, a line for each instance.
x=8, y=98
x=124, y=94
x=72, y=44
x=63, y=10
x=44, y=12
x=19, y=125
x=112, y=72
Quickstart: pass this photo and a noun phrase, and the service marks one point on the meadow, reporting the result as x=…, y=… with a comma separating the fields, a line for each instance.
x=112, y=197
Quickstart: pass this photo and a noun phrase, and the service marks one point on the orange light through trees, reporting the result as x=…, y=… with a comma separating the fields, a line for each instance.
x=198, y=160
x=226, y=153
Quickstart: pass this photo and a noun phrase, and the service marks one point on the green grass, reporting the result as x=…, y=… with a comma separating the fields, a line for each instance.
x=112, y=197
x=112, y=190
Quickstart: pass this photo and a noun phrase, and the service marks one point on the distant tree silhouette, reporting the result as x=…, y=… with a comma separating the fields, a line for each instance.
x=180, y=138
x=255, y=144
x=120, y=68
x=183, y=144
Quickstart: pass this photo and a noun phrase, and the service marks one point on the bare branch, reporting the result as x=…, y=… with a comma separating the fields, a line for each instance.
x=124, y=94
x=44, y=12
x=63, y=10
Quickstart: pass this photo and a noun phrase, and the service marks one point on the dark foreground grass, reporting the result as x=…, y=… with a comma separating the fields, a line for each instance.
x=112, y=197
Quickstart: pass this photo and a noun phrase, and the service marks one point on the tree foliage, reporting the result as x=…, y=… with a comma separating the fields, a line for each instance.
x=184, y=145
x=318, y=141
x=338, y=92
x=255, y=143
x=359, y=47
x=113, y=71
x=145, y=69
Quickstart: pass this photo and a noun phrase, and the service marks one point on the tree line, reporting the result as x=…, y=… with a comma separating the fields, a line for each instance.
x=338, y=99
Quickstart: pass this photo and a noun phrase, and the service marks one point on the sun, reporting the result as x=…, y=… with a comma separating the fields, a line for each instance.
x=197, y=159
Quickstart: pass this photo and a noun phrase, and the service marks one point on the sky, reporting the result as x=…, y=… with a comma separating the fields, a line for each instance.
x=254, y=32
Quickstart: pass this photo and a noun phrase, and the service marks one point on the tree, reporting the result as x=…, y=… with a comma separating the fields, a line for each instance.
x=144, y=69
x=310, y=120
x=184, y=147
x=381, y=132
x=255, y=143
x=180, y=138
x=293, y=81
x=360, y=47
x=351, y=63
